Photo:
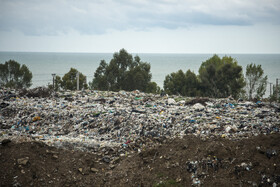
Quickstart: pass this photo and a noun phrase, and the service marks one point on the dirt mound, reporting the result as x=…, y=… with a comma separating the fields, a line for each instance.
x=179, y=162
x=198, y=100
x=36, y=92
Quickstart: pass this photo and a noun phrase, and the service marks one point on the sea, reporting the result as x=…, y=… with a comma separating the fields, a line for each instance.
x=44, y=64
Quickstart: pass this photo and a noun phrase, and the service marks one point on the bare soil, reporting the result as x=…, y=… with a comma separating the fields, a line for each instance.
x=179, y=162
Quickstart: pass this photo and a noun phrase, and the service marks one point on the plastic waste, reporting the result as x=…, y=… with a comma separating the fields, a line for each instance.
x=90, y=119
x=171, y=101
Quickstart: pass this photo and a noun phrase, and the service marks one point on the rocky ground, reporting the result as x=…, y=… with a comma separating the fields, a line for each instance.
x=92, y=138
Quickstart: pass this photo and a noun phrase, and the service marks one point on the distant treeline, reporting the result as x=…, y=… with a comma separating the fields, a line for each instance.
x=217, y=77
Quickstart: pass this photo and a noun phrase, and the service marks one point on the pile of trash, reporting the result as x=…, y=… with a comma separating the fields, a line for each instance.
x=90, y=120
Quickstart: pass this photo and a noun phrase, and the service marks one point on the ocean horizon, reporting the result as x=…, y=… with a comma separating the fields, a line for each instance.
x=44, y=64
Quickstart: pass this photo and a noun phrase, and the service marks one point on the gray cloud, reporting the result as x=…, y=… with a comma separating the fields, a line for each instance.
x=55, y=17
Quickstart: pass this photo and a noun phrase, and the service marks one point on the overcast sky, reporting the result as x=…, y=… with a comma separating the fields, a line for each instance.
x=141, y=26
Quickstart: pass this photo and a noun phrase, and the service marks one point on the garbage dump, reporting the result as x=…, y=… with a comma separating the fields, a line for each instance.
x=91, y=119
x=130, y=122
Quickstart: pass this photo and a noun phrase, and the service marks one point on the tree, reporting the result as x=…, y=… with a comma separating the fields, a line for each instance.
x=100, y=79
x=217, y=78
x=123, y=73
x=185, y=84
x=221, y=77
x=14, y=75
x=69, y=80
x=117, y=69
x=152, y=87
x=192, y=84
x=138, y=76
x=57, y=82
x=175, y=83
x=208, y=75
x=275, y=92
x=255, y=81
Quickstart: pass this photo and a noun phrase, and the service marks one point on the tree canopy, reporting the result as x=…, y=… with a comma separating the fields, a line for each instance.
x=69, y=80
x=181, y=83
x=221, y=77
x=124, y=73
x=256, y=82
x=217, y=78
x=14, y=75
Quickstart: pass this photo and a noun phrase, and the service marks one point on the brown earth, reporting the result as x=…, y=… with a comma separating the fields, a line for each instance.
x=180, y=162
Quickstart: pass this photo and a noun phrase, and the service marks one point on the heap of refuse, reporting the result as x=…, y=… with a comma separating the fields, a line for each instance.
x=89, y=120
